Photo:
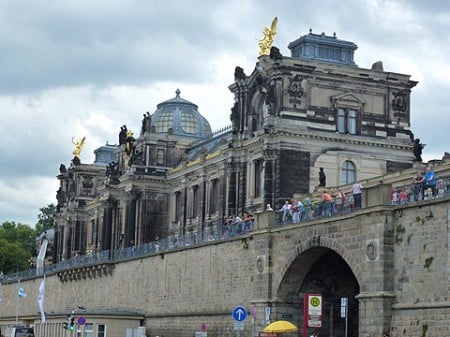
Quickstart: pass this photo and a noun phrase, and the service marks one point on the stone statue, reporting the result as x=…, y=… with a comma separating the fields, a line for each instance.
x=122, y=134
x=129, y=142
x=266, y=43
x=417, y=150
x=239, y=74
x=136, y=158
x=275, y=53
x=112, y=173
x=78, y=147
x=146, y=123
x=322, y=178
x=62, y=169
x=234, y=116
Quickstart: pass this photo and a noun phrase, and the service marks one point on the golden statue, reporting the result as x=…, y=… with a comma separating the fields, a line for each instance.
x=129, y=140
x=266, y=43
x=78, y=147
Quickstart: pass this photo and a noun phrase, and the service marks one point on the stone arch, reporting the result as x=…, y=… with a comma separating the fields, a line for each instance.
x=319, y=265
x=314, y=242
x=256, y=117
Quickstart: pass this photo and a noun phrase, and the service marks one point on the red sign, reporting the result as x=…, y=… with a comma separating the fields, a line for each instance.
x=81, y=320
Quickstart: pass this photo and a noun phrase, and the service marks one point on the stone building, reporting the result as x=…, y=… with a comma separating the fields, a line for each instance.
x=291, y=116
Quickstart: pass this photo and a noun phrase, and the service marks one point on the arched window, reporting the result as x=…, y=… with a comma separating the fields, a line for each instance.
x=348, y=173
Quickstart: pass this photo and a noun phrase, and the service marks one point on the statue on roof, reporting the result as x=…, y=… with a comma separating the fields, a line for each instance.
x=78, y=147
x=417, y=150
x=146, y=123
x=129, y=142
x=266, y=43
x=122, y=134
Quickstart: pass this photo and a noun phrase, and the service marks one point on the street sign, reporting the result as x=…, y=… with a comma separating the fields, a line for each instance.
x=314, y=310
x=81, y=320
x=239, y=326
x=253, y=310
x=343, y=307
x=239, y=314
x=201, y=334
x=203, y=326
x=267, y=315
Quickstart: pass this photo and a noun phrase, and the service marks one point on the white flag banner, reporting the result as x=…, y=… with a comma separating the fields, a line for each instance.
x=40, y=300
x=21, y=292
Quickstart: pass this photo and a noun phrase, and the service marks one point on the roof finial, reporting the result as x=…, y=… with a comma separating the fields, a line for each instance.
x=178, y=92
x=310, y=31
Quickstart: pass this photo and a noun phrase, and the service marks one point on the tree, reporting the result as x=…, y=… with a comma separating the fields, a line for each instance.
x=17, y=245
x=45, y=219
x=21, y=234
x=13, y=257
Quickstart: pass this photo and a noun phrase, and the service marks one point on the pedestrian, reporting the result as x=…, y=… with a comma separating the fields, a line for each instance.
x=356, y=192
x=430, y=180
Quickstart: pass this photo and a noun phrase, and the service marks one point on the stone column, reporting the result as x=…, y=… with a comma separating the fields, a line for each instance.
x=375, y=312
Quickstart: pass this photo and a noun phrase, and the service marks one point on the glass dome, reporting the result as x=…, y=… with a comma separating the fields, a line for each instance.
x=180, y=117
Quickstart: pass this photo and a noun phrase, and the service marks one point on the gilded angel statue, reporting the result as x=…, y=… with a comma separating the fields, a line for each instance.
x=266, y=43
x=78, y=147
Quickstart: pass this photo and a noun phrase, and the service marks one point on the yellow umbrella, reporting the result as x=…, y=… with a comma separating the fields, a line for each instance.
x=280, y=326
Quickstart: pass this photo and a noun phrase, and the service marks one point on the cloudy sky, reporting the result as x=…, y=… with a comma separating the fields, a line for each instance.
x=73, y=68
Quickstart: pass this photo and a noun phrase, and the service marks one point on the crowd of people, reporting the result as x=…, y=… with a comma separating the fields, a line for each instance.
x=297, y=210
x=235, y=224
x=424, y=186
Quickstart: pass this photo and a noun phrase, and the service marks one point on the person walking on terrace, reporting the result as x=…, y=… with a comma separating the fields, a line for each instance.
x=356, y=192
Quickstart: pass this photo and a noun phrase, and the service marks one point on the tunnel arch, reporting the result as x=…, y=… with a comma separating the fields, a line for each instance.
x=319, y=269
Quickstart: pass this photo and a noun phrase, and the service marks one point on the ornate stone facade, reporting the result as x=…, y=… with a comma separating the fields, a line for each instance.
x=175, y=179
x=291, y=116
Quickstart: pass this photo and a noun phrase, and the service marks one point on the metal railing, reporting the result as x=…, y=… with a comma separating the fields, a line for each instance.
x=414, y=192
x=213, y=232
x=219, y=231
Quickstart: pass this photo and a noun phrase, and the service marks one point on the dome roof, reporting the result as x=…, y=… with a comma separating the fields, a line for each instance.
x=182, y=117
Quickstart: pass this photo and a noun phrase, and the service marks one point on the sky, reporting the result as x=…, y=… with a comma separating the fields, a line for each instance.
x=78, y=68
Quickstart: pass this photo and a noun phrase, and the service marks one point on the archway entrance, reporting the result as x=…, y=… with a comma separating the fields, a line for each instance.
x=320, y=271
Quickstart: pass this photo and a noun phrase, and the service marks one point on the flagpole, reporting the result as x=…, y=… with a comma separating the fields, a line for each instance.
x=17, y=302
x=42, y=314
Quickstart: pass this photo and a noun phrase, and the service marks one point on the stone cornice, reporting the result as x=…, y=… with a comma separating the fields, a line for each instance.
x=86, y=272
x=344, y=139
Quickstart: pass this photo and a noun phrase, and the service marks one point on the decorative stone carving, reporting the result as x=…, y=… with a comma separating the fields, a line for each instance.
x=295, y=86
x=399, y=102
x=80, y=273
x=372, y=250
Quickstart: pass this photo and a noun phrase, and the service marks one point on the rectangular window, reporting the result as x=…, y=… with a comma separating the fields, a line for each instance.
x=101, y=330
x=351, y=122
x=341, y=121
x=214, y=196
x=194, y=201
x=347, y=121
x=177, y=206
x=257, y=181
x=89, y=330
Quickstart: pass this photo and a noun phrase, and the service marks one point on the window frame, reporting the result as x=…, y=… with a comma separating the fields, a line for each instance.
x=346, y=171
x=348, y=121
